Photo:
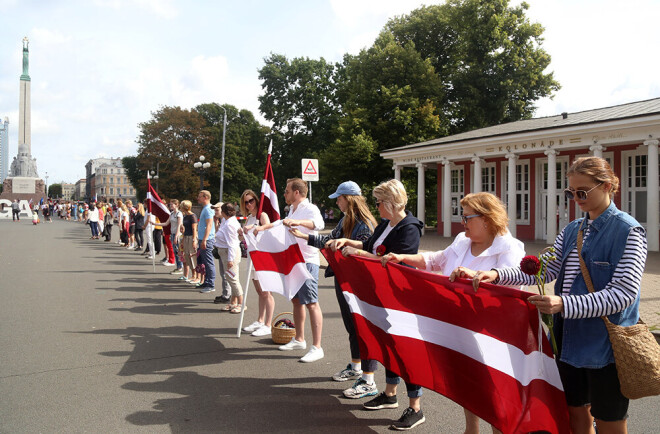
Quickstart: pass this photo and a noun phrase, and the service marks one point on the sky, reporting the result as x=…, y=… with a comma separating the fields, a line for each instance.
x=100, y=67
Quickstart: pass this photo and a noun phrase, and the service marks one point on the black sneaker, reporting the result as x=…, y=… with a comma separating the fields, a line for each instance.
x=221, y=299
x=408, y=420
x=381, y=401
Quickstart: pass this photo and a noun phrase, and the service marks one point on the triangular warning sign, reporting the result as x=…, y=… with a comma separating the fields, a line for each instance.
x=310, y=169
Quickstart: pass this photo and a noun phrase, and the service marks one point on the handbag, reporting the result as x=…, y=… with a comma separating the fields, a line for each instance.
x=215, y=253
x=636, y=352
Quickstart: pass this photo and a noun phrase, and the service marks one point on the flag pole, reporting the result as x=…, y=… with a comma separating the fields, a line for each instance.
x=151, y=252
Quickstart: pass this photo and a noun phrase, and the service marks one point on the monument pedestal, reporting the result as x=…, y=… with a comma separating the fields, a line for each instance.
x=23, y=189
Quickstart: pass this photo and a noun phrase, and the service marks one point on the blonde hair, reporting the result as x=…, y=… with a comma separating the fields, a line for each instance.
x=206, y=194
x=393, y=195
x=597, y=169
x=186, y=206
x=357, y=210
x=491, y=208
x=256, y=202
x=140, y=209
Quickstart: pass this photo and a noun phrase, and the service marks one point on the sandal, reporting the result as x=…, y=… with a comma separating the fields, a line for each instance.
x=236, y=309
x=229, y=307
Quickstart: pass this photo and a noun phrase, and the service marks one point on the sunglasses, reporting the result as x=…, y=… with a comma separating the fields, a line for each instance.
x=465, y=218
x=580, y=194
x=378, y=203
x=251, y=201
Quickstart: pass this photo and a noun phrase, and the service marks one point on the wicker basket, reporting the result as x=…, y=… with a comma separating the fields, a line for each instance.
x=282, y=336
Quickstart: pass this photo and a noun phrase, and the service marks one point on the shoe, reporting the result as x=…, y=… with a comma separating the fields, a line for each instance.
x=264, y=330
x=183, y=278
x=163, y=260
x=206, y=289
x=168, y=264
x=361, y=389
x=380, y=402
x=252, y=327
x=293, y=345
x=177, y=271
x=314, y=354
x=150, y=257
x=223, y=299
x=347, y=374
x=409, y=420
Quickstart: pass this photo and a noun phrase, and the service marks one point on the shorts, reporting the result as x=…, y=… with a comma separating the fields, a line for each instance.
x=131, y=229
x=309, y=292
x=598, y=386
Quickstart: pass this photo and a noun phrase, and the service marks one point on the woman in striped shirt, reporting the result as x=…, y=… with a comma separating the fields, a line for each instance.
x=614, y=251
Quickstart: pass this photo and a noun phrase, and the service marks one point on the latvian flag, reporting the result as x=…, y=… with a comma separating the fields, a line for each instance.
x=157, y=207
x=268, y=200
x=480, y=349
x=278, y=261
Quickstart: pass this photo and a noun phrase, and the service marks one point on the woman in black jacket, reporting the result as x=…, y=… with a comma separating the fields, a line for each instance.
x=139, y=227
x=399, y=232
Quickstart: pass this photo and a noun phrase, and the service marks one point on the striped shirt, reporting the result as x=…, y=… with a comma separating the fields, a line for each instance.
x=617, y=295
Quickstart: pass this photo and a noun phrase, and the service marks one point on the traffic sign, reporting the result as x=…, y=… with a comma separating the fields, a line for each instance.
x=310, y=169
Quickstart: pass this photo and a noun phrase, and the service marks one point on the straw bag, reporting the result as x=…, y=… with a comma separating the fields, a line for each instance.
x=636, y=352
x=281, y=335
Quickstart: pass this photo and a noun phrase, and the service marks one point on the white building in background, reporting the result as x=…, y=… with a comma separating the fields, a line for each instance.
x=512, y=161
x=107, y=180
x=68, y=190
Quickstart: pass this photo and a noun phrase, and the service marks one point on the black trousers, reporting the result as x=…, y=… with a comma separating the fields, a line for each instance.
x=139, y=239
x=158, y=240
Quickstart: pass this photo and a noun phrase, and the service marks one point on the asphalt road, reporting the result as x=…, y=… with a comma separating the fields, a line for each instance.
x=91, y=340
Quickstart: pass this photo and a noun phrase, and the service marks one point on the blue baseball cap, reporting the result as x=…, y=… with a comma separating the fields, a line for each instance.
x=349, y=188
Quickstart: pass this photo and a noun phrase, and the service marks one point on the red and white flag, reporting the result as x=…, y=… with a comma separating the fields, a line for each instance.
x=481, y=350
x=156, y=206
x=268, y=200
x=278, y=262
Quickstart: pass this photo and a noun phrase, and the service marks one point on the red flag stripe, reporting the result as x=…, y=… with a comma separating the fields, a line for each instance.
x=268, y=200
x=280, y=262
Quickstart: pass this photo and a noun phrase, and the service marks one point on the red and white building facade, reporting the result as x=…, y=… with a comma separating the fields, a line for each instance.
x=512, y=160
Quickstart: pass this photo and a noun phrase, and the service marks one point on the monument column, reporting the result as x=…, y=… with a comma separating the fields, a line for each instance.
x=24, y=120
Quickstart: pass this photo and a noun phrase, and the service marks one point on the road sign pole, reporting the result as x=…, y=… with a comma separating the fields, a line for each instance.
x=310, y=191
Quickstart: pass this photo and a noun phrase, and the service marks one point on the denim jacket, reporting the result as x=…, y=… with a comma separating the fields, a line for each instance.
x=585, y=341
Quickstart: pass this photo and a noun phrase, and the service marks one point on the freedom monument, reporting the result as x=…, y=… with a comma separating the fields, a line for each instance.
x=23, y=182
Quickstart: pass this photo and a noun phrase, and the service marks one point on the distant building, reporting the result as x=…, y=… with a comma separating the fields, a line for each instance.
x=79, y=189
x=4, y=149
x=68, y=191
x=107, y=181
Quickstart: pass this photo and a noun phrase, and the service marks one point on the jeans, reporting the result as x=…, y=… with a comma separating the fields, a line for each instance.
x=175, y=245
x=139, y=239
x=206, y=258
x=414, y=391
x=95, y=228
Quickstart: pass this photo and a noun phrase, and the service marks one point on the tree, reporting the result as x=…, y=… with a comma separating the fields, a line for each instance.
x=55, y=190
x=488, y=56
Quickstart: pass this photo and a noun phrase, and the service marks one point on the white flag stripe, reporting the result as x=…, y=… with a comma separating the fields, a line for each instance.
x=274, y=240
x=487, y=350
x=285, y=284
x=158, y=203
x=269, y=193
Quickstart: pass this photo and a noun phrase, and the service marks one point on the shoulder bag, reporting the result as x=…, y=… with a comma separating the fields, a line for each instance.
x=636, y=352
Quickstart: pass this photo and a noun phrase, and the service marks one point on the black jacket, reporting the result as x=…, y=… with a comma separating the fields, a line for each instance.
x=403, y=239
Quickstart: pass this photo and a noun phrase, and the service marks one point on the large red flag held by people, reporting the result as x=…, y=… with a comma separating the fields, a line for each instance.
x=158, y=208
x=484, y=350
x=268, y=200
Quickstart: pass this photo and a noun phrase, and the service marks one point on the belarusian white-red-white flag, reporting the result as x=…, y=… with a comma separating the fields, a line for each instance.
x=268, y=200
x=278, y=262
x=481, y=350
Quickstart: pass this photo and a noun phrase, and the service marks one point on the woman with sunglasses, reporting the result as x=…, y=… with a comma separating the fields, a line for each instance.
x=614, y=251
x=358, y=224
x=486, y=243
x=250, y=208
x=398, y=232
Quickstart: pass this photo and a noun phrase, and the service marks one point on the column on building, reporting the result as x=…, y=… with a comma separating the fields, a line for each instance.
x=446, y=198
x=476, y=185
x=397, y=172
x=511, y=202
x=597, y=150
x=551, y=218
x=653, y=195
x=421, y=194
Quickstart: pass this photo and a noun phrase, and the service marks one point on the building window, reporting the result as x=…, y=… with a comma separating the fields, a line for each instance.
x=112, y=171
x=131, y=190
x=457, y=193
x=112, y=191
x=488, y=178
x=522, y=190
x=124, y=191
x=112, y=180
x=635, y=192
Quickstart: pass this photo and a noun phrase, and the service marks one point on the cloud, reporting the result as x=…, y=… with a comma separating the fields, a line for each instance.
x=160, y=8
x=206, y=80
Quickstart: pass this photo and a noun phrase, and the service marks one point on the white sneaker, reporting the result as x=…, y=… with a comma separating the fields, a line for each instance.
x=314, y=354
x=293, y=345
x=168, y=264
x=150, y=257
x=252, y=327
x=264, y=330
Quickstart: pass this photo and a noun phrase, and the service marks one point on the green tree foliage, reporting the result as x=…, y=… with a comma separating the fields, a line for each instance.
x=55, y=190
x=488, y=56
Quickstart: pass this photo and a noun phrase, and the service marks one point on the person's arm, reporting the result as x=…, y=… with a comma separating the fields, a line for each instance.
x=207, y=232
x=339, y=243
x=194, y=233
x=416, y=260
x=233, y=242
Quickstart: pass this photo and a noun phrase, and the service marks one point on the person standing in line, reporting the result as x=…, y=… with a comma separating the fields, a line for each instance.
x=307, y=218
x=226, y=290
x=189, y=229
x=175, y=222
x=108, y=223
x=206, y=241
x=139, y=227
x=15, y=211
x=358, y=224
x=93, y=217
x=227, y=245
x=150, y=220
x=250, y=208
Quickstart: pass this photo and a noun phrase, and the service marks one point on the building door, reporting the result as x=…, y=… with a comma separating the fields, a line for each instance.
x=562, y=216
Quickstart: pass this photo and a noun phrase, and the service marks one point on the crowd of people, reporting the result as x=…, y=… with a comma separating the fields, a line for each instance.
x=614, y=250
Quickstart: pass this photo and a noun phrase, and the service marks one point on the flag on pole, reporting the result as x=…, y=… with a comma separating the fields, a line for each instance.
x=30, y=203
x=157, y=207
x=484, y=350
x=268, y=200
x=278, y=262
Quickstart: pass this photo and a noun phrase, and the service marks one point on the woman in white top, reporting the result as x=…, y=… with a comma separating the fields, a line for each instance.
x=93, y=216
x=485, y=244
x=250, y=208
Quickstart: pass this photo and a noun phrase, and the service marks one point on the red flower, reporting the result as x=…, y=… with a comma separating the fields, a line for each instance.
x=530, y=265
x=380, y=250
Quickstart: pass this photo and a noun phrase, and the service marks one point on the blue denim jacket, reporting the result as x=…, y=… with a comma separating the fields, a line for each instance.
x=585, y=341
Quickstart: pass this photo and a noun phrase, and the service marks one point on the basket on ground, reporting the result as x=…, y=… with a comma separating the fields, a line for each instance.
x=282, y=335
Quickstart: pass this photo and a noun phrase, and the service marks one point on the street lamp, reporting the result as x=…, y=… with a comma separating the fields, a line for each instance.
x=154, y=175
x=201, y=166
x=222, y=164
x=46, y=184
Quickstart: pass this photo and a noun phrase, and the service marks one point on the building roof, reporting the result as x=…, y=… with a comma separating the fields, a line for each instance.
x=623, y=111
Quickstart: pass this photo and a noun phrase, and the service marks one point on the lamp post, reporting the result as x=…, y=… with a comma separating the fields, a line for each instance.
x=222, y=164
x=201, y=166
x=154, y=175
x=46, y=184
